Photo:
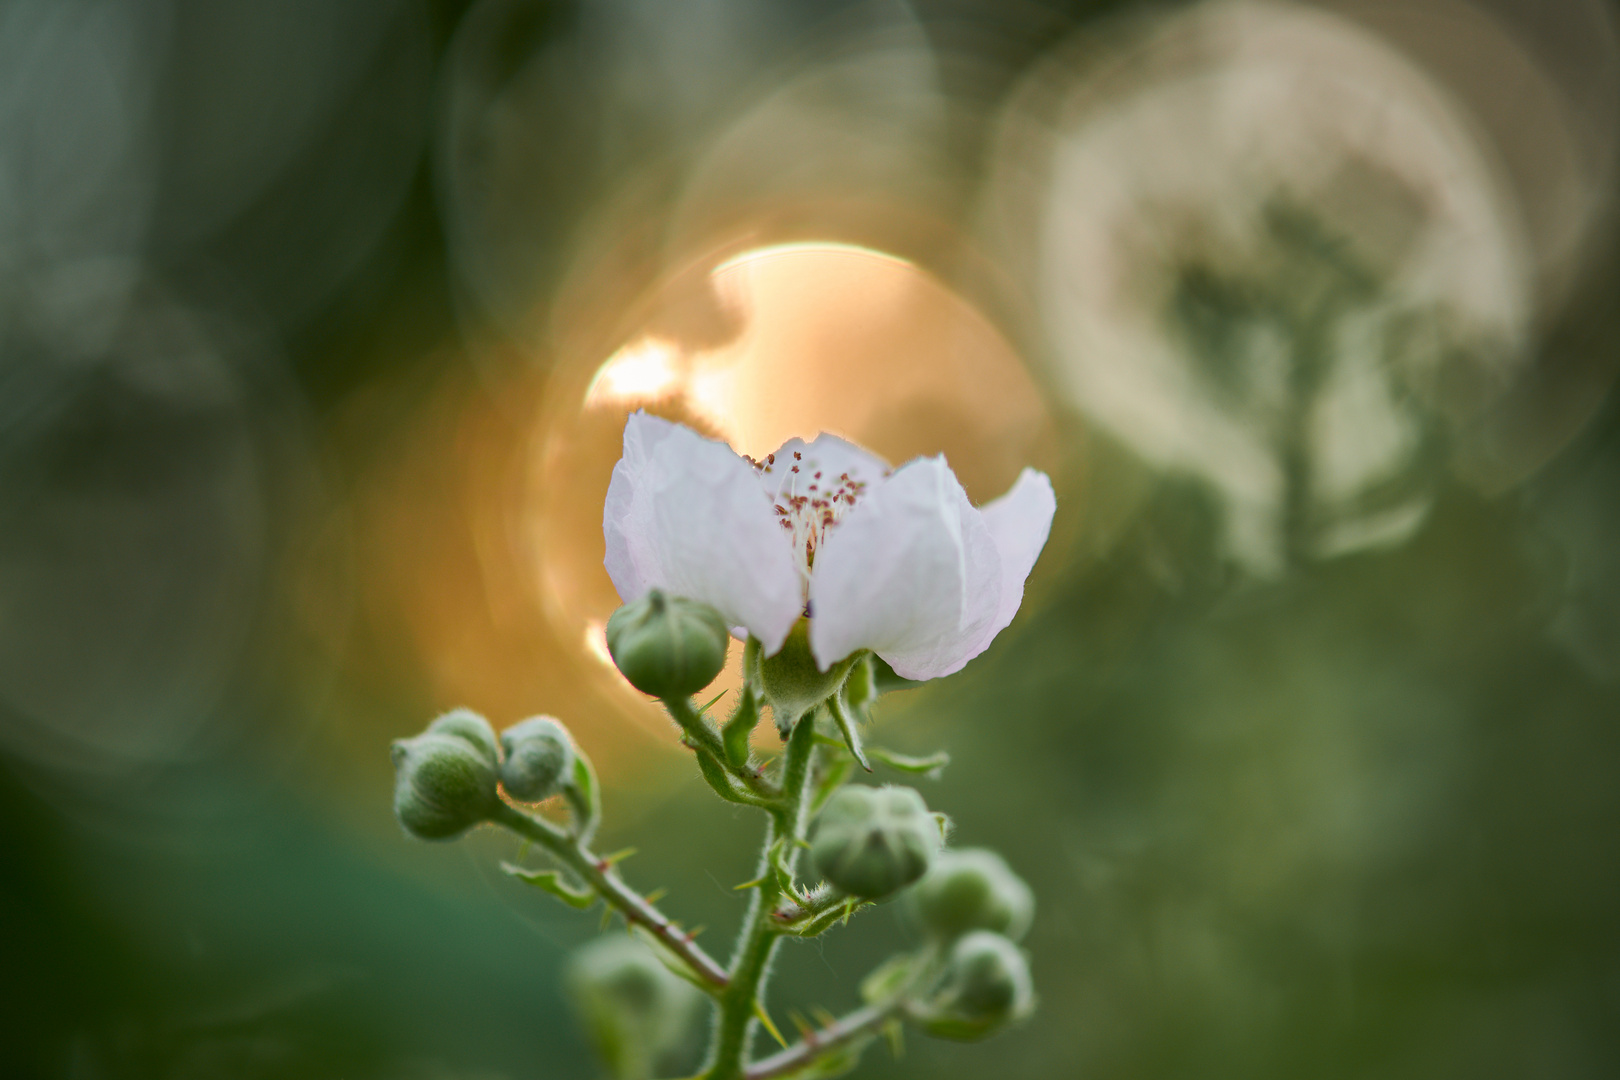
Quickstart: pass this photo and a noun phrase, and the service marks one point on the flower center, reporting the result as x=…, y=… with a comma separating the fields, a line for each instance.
x=808, y=503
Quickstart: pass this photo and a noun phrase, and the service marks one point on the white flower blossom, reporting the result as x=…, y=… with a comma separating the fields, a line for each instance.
x=892, y=560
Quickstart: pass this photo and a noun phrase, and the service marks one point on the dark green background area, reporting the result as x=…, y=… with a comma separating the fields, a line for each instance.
x=1360, y=820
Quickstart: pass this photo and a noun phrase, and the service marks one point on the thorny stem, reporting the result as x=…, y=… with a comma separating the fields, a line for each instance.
x=599, y=875
x=757, y=940
x=845, y=1029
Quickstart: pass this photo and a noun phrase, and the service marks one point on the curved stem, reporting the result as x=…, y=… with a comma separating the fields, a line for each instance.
x=702, y=736
x=598, y=873
x=845, y=1029
x=757, y=941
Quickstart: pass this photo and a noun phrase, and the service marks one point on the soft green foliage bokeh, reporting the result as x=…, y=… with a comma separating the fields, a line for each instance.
x=1359, y=820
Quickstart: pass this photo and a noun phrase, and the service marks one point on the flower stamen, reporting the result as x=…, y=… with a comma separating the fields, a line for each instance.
x=808, y=517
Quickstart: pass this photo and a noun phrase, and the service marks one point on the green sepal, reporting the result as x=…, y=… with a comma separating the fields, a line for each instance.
x=818, y=923
x=734, y=735
x=792, y=682
x=777, y=857
x=930, y=766
x=889, y=978
x=552, y=882
x=720, y=780
x=860, y=688
x=848, y=729
x=723, y=786
x=584, y=796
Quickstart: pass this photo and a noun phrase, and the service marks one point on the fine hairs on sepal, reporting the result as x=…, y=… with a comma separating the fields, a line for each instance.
x=792, y=682
x=847, y=580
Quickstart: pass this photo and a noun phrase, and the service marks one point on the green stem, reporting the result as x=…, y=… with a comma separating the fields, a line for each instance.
x=757, y=941
x=598, y=874
x=703, y=738
x=845, y=1029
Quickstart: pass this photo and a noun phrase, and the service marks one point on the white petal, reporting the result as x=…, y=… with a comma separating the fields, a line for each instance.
x=687, y=515
x=1019, y=523
x=828, y=455
x=911, y=573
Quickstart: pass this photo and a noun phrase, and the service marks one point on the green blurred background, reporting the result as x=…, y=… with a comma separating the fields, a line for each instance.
x=1308, y=737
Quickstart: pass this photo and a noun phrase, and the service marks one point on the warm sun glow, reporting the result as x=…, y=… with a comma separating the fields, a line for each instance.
x=836, y=337
x=791, y=340
x=643, y=371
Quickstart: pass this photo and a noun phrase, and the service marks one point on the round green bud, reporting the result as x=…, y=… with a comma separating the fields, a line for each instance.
x=468, y=726
x=871, y=842
x=443, y=785
x=667, y=646
x=634, y=1008
x=791, y=680
x=984, y=987
x=539, y=758
x=972, y=889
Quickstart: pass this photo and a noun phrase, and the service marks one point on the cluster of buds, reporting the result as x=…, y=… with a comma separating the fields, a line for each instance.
x=447, y=779
x=886, y=578
x=867, y=844
x=973, y=905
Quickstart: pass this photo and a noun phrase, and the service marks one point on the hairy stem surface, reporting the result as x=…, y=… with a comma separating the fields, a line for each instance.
x=844, y=1030
x=598, y=874
x=757, y=941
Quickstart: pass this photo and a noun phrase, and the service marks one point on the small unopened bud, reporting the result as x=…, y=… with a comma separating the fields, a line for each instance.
x=668, y=646
x=539, y=758
x=972, y=889
x=792, y=681
x=871, y=842
x=444, y=778
x=635, y=1010
x=984, y=987
x=469, y=726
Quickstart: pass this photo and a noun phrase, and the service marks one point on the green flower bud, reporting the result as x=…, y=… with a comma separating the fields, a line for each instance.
x=667, y=646
x=985, y=986
x=469, y=726
x=539, y=758
x=443, y=784
x=972, y=889
x=792, y=682
x=871, y=842
x=636, y=1011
